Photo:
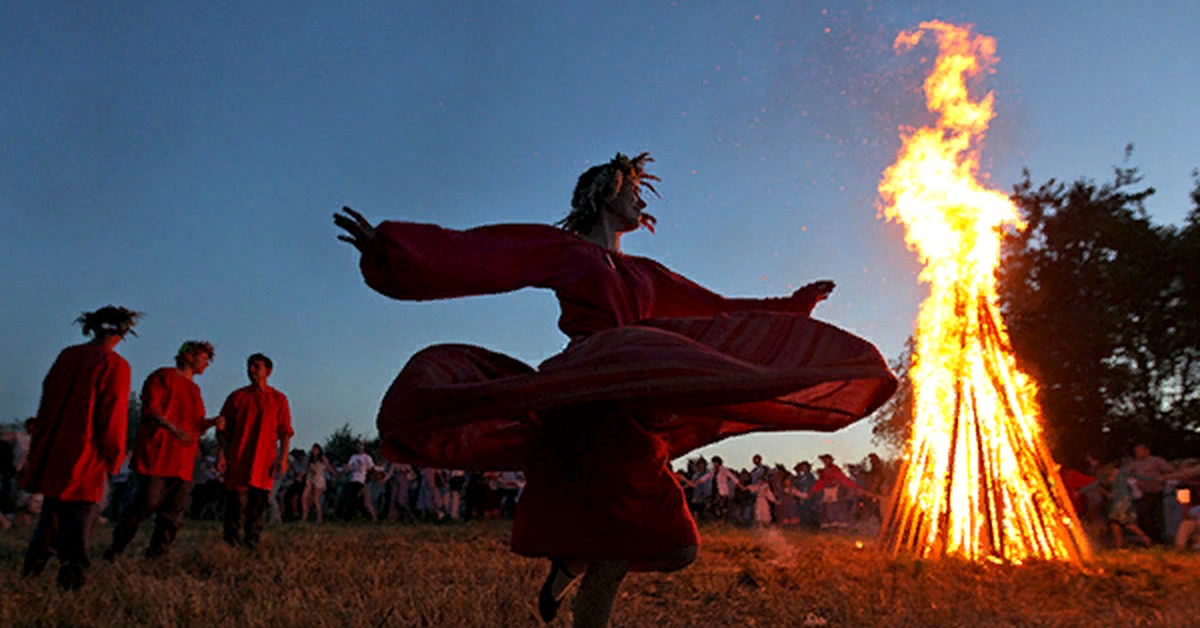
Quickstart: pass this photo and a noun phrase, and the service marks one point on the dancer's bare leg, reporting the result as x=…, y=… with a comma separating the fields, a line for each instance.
x=594, y=601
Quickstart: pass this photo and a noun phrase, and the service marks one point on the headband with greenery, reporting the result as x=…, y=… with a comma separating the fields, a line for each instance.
x=600, y=185
x=110, y=320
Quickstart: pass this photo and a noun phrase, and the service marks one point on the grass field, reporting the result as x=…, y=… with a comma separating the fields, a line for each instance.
x=464, y=575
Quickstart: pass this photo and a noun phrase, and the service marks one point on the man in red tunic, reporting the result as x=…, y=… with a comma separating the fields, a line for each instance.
x=78, y=439
x=254, y=447
x=164, y=454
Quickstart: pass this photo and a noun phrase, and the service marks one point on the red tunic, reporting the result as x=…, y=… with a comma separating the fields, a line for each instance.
x=688, y=366
x=157, y=451
x=255, y=421
x=78, y=436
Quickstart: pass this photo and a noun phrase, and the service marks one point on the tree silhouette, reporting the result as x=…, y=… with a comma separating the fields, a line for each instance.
x=1095, y=297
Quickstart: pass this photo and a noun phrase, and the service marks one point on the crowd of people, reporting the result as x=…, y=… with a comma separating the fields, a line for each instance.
x=1137, y=498
x=364, y=488
x=763, y=495
x=312, y=487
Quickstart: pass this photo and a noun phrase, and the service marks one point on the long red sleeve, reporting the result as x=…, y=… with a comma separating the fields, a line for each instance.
x=676, y=295
x=414, y=261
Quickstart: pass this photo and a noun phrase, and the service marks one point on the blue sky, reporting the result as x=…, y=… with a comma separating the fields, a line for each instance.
x=184, y=159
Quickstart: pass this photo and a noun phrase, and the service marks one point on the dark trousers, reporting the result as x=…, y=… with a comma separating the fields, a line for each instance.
x=63, y=529
x=351, y=501
x=245, y=510
x=1150, y=516
x=167, y=498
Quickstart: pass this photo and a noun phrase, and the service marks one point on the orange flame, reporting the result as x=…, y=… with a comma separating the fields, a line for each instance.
x=978, y=481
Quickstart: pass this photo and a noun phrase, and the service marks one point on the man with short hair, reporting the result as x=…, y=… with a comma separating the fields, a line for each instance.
x=164, y=454
x=759, y=471
x=1147, y=471
x=358, y=494
x=724, y=482
x=254, y=448
x=76, y=440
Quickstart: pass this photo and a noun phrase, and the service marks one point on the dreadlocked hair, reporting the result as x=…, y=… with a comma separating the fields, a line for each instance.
x=599, y=185
x=110, y=320
x=193, y=346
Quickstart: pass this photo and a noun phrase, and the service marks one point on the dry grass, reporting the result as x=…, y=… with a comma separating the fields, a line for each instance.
x=464, y=575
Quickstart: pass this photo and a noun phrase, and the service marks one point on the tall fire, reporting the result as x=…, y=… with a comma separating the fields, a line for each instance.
x=978, y=481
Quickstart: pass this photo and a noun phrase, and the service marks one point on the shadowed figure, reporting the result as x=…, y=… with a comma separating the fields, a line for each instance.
x=656, y=367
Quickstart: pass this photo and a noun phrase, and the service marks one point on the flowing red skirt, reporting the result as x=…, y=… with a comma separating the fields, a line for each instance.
x=595, y=426
x=599, y=487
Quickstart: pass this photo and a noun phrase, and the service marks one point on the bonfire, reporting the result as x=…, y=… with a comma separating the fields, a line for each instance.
x=978, y=481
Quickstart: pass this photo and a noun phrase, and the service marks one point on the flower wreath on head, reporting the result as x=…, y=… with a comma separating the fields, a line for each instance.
x=601, y=184
x=109, y=320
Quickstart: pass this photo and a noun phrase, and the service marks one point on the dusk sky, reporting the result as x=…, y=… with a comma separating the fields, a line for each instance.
x=184, y=160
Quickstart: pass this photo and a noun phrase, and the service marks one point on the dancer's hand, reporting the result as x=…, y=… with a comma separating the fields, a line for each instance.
x=809, y=295
x=361, y=233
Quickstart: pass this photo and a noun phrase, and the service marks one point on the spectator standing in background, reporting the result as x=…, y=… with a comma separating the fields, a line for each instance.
x=77, y=440
x=802, y=486
x=763, y=498
x=164, y=454
x=724, y=485
x=254, y=449
x=316, y=473
x=1147, y=471
x=356, y=498
x=759, y=470
x=833, y=491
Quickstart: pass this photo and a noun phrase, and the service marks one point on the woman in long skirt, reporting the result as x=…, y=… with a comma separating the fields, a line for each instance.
x=656, y=367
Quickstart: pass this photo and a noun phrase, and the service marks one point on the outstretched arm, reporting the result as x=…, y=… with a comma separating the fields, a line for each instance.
x=414, y=261
x=676, y=295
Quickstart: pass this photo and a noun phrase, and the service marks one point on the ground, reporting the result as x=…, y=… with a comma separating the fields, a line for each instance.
x=464, y=575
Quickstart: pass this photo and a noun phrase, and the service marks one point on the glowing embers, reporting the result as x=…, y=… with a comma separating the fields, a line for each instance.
x=978, y=481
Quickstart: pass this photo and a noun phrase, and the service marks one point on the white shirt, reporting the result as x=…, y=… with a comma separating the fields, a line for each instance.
x=359, y=465
x=724, y=479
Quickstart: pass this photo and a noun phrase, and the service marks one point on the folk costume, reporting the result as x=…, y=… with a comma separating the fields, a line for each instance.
x=164, y=463
x=256, y=421
x=657, y=366
x=78, y=439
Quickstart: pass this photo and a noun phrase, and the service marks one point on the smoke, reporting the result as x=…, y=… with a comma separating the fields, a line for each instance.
x=773, y=540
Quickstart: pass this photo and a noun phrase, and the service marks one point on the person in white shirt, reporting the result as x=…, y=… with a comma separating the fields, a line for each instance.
x=724, y=482
x=358, y=498
x=763, y=498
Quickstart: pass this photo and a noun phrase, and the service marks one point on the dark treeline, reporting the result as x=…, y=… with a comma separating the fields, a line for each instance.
x=1103, y=308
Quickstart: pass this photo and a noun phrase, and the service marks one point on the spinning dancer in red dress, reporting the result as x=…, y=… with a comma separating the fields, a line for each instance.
x=656, y=367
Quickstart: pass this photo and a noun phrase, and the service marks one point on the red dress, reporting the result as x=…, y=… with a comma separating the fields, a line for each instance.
x=157, y=451
x=657, y=366
x=78, y=437
x=255, y=421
